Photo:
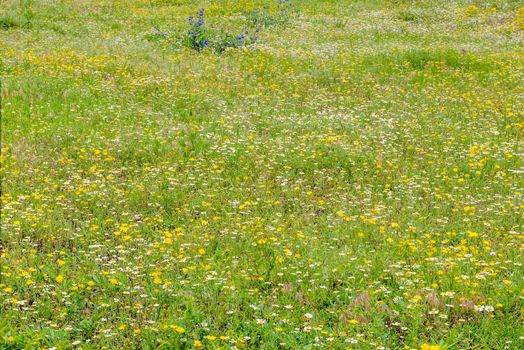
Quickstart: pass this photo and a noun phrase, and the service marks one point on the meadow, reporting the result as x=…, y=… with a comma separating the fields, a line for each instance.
x=343, y=174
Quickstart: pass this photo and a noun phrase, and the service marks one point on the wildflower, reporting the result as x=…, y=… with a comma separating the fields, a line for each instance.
x=178, y=329
x=429, y=347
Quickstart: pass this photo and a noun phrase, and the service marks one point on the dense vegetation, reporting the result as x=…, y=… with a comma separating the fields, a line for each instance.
x=332, y=174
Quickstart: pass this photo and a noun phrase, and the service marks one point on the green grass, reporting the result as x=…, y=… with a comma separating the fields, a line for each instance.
x=353, y=180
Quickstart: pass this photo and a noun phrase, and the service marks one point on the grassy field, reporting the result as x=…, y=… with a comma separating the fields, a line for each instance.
x=351, y=178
